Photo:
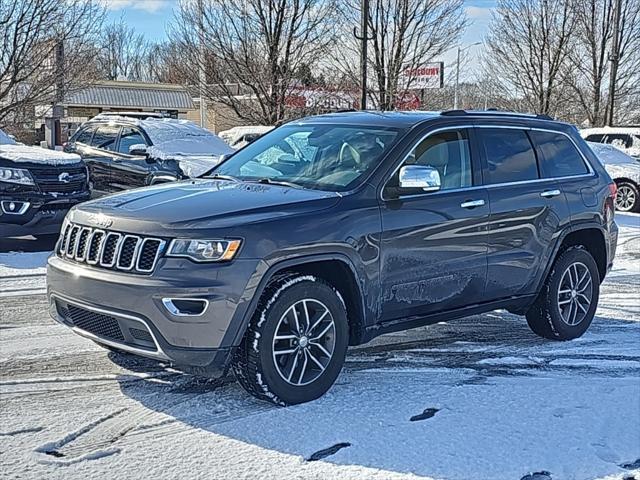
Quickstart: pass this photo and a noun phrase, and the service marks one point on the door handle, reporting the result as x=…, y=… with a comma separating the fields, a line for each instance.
x=472, y=204
x=550, y=193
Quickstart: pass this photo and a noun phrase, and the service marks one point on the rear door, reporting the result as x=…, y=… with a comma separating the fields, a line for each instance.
x=527, y=211
x=434, y=245
x=129, y=171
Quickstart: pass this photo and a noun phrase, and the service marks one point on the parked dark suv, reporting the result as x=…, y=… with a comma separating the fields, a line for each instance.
x=332, y=230
x=37, y=188
x=124, y=151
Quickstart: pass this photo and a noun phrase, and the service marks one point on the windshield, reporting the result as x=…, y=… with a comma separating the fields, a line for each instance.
x=320, y=156
x=6, y=139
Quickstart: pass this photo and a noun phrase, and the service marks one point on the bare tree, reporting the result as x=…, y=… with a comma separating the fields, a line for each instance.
x=628, y=73
x=590, y=56
x=405, y=34
x=252, y=53
x=123, y=53
x=528, y=49
x=30, y=33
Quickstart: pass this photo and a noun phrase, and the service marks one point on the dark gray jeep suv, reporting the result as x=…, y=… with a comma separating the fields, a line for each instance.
x=331, y=230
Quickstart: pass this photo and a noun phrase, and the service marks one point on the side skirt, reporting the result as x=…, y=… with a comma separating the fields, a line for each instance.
x=517, y=303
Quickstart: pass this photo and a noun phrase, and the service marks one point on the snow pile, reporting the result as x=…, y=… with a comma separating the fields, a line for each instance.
x=24, y=153
x=608, y=154
x=196, y=149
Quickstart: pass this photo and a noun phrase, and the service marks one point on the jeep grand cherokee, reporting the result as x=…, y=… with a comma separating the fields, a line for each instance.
x=331, y=230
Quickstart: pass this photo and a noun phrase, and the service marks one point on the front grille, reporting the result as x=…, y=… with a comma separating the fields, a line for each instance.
x=98, y=324
x=143, y=335
x=112, y=250
x=60, y=179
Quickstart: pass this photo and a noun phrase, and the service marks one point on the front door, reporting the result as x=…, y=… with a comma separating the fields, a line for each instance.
x=434, y=245
x=129, y=171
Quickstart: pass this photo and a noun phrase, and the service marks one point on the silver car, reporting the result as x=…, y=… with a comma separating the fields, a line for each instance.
x=625, y=171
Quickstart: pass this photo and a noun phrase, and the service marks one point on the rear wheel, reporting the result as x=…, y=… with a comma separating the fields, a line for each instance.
x=567, y=303
x=295, y=345
x=628, y=197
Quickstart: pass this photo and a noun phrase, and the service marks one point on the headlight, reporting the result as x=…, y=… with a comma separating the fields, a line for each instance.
x=204, y=250
x=15, y=175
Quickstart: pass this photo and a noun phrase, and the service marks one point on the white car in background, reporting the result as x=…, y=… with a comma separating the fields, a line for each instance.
x=238, y=137
x=626, y=139
x=625, y=171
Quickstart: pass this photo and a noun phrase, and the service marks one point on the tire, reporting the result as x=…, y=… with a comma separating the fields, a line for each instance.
x=558, y=313
x=628, y=197
x=292, y=378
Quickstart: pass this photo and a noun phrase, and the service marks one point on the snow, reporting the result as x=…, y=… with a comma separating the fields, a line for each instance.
x=196, y=149
x=24, y=153
x=476, y=398
x=617, y=163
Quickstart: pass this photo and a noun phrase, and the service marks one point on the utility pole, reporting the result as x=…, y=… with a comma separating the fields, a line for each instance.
x=455, y=91
x=614, y=58
x=364, y=38
x=202, y=75
x=53, y=133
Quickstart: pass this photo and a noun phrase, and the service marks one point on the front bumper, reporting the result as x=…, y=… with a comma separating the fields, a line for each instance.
x=40, y=218
x=124, y=303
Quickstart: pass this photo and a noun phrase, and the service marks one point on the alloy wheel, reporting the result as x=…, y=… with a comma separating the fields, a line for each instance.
x=625, y=198
x=575, y=293
x=304, y=342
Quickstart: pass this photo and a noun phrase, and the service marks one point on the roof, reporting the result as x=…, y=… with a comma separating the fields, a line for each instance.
x=411, y=118
x=157, y=96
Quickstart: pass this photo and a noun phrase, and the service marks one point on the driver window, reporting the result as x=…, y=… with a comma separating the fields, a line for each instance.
x=129, y=137
x=447, y=152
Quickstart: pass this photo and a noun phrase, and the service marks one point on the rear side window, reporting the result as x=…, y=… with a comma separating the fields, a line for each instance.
x=510, y=155
x=84, y=136
x=105, y=137
x=558, y=155
x=595, y=137
x=619, y=140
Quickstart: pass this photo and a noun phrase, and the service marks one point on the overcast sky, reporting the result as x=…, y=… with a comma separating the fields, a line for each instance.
x=151, y=18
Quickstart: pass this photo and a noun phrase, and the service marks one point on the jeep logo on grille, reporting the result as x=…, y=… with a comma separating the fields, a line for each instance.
x=100, y=220
x=64, y=177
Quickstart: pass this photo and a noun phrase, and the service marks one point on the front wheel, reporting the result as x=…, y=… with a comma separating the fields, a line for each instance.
x=567, y=303
x=295, y=345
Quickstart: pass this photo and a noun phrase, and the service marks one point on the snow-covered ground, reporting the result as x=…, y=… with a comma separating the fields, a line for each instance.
x=477, y=398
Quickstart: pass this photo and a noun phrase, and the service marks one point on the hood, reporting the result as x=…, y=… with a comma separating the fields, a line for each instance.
x=177, y=209
x=26, y=154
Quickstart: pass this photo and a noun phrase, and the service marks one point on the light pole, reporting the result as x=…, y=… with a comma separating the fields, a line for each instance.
x=455, y=92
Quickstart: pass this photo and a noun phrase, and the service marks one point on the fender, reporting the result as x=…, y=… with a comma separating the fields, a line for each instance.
x=560, y=240
x=280, y=267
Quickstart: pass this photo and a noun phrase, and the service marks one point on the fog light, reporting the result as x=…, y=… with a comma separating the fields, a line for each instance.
x=14, y=208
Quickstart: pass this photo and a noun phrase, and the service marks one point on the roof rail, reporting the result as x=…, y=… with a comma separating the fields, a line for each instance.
x=493, y=111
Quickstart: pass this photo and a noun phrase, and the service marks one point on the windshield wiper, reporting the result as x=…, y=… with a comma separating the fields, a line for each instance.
x=270, y=181
x=217, y=176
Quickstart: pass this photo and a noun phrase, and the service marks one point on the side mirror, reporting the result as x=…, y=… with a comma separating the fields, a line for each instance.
x=418, y=176
x=139, y=149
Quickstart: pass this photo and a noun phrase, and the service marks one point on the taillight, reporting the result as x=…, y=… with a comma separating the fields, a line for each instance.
x=613, y=190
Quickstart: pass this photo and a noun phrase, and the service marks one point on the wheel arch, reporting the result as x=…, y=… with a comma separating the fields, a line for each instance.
x=337, y=270
x=592, y=238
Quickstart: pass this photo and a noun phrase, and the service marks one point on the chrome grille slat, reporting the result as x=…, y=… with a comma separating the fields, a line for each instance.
x=71, y=244
x=110, y=250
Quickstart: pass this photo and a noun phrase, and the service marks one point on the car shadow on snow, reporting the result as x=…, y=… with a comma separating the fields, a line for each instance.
x=386, y=386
